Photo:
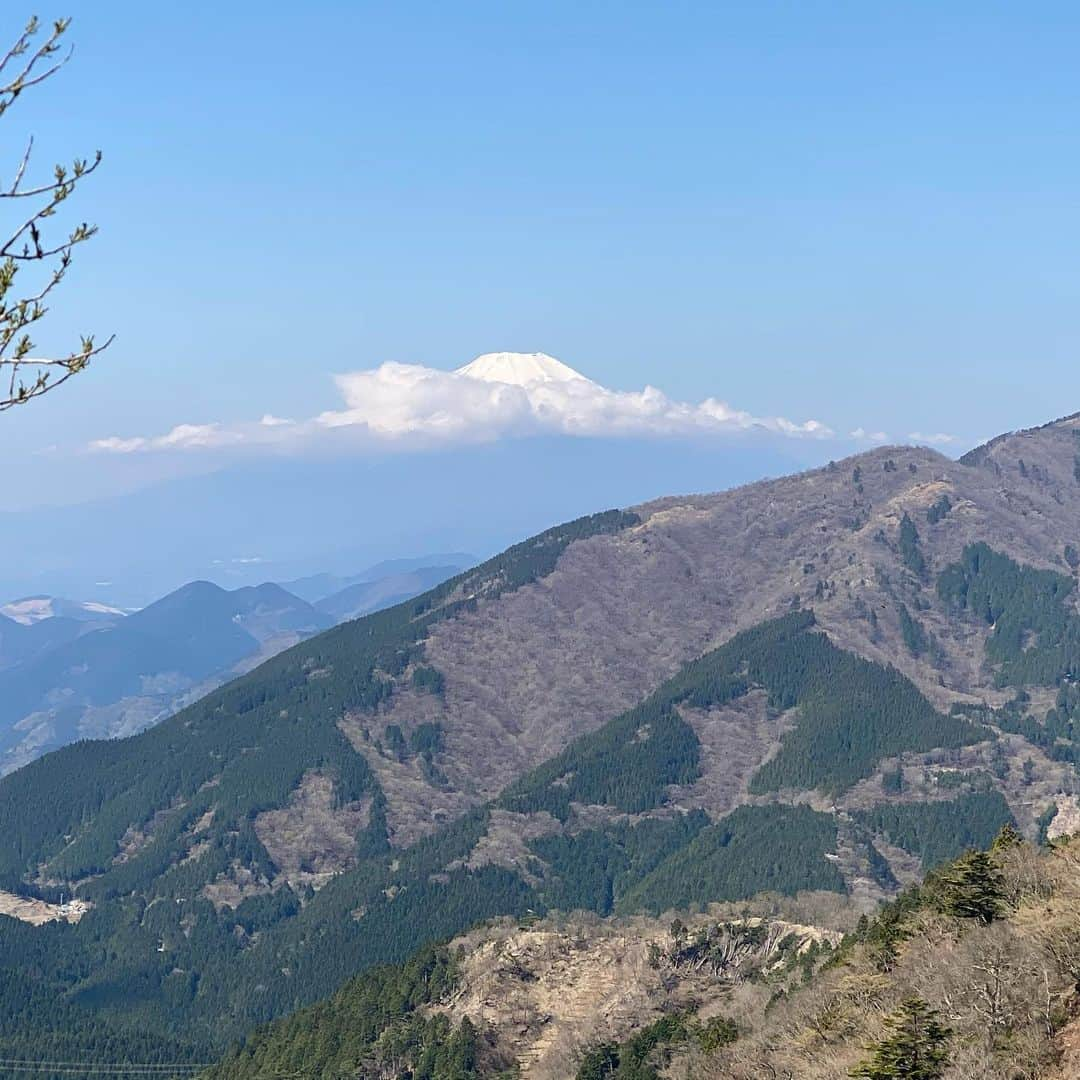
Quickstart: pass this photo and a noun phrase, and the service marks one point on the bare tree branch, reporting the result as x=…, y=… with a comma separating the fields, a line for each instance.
x=21, y=44
x=24, y=377
x=26, y=78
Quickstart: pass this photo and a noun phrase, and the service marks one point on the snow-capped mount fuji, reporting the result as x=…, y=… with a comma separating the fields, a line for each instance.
x=519, y=369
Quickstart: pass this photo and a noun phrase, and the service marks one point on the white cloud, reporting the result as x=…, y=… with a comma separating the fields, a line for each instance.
x=182, y=437
x=115, y=445
x=496, y=396
x=938, y=439
x=862, y=435
x=396, y=401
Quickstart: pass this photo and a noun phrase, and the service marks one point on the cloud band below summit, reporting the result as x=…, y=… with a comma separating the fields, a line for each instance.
x=499, y=395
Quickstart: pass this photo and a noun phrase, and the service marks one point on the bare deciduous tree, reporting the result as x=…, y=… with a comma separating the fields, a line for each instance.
x=33, y=58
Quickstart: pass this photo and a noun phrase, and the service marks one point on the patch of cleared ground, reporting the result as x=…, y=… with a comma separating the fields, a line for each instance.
x=311, y=840
x=38, y=912
x=549, y=992
x=735, y=740
x=1066, y=821
x=234, y=886
x=505, y=843
x=415, y=806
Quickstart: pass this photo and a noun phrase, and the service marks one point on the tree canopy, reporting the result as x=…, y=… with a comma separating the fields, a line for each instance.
x=915, y=1048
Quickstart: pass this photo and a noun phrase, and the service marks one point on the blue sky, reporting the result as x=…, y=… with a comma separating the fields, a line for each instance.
x=863, y=213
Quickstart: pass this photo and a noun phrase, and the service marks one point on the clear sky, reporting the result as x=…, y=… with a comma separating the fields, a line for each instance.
x=864, y=213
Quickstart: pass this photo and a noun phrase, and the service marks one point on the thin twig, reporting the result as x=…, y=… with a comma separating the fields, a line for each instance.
x=27, y=244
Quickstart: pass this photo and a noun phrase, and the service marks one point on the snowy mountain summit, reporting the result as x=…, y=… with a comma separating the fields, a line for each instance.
x=519, y=369
x=32, y=609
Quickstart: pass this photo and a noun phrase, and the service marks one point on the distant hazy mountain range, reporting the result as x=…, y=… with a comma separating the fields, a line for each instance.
x=71, y=670
x=319, y=588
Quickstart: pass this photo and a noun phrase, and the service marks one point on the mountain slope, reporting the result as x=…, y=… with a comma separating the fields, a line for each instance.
x=571, y=723
x=539, y=666
x=316, y=587
x=122, y=677
x=20, y=642
x=94, y=675
x=734, y=993
x=361, y=598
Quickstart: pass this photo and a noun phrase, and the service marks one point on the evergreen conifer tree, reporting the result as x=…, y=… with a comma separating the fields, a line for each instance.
x=910, y=553
x=1006, y=839
x=461, y=1052
x=915, y=1048
x=972, y=888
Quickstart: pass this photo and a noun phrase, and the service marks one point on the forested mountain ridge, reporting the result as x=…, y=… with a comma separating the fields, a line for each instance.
x=970, y=976
x=820, y=682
